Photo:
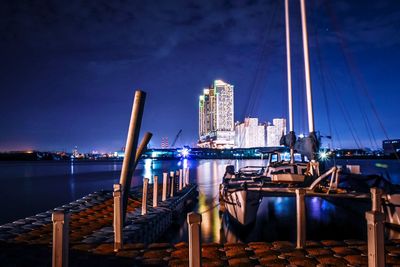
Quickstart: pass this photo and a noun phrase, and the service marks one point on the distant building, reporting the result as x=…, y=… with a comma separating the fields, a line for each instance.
x=275, y=132
x=249, y=134
x=164, y=142
x=216, y=125
x=391, y=146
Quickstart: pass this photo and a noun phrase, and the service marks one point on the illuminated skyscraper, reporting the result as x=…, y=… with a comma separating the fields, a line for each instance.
x=216, y=126
x=249, y=134
x=275, y=132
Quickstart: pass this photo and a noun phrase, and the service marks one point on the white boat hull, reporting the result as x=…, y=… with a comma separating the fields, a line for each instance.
x=242, y=205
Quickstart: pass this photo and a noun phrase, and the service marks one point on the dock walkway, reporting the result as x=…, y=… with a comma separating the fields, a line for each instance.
x=278, y=253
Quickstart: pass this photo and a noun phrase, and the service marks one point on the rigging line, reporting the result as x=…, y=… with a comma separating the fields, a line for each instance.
x=322, y=78
x=259, y=64
x=345, y=113
x=357, y=72
x=301, y=88
x=264, y=60
x=358, y=101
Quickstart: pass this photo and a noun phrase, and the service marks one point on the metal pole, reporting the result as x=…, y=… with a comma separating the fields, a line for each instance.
x=60, y=238
x=131, y=146
x=307, y=67
x=301, y=218
x=144, y=196
x=194, y=223
x=180, y=179
x=164, y=186
x=117, y=223
x=155, y=191
x=172, y=178
x=289, y=75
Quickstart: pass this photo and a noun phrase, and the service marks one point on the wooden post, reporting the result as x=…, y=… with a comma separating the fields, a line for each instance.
x=164, y=186
x=180, y=179
x=376, y=197
x=172, y=178
x=376, y=230
x=131, y=146
x=187, y=176
x=155, y=191
x=118, y=222
x=194, y=224
x=301, y=218
x=144, y=195
x=60, y=238
x=184, y=177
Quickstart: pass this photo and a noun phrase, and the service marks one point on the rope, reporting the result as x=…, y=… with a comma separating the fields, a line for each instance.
x=254, y=93
x=211, y=208
x=322, y=78
x=356, y=72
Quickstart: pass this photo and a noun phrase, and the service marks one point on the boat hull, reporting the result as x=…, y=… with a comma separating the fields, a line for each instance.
x=241, y=205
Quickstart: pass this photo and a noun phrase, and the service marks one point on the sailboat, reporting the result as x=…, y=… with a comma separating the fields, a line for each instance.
x=241, y=192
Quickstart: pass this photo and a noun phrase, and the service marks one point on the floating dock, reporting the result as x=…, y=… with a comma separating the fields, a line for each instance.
x=278, y=253
x=91, y=225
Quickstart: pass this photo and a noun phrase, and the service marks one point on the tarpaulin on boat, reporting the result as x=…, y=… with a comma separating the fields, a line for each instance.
x=288, y=140
x=308, y=146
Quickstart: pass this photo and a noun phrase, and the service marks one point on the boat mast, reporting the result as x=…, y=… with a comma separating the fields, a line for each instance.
x=307, y=67
x=289, y=77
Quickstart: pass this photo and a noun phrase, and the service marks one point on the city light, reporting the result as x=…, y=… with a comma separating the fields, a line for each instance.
x=185, y=152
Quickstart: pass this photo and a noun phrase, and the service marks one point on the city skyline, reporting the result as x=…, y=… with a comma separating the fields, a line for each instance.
x=70, y=70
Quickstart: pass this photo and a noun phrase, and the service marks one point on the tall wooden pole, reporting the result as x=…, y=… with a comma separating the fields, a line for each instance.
x=128, y=165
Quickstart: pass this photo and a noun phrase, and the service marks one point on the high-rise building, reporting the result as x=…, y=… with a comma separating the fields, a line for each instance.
x=275, y=132
x=249, y=134
x=216, y=125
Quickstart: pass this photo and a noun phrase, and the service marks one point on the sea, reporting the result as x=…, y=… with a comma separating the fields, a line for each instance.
x=31, y=187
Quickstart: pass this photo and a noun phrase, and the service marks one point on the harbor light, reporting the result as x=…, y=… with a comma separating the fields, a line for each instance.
x=323, y=155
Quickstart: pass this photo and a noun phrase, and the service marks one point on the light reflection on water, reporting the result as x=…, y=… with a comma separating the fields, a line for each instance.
x=45, y=185
x=276, y=217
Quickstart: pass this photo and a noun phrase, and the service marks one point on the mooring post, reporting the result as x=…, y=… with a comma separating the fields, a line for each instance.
x=194, y=224
x=131, y=146
x=187, y=176
x=60, y=238
x=172, y=178
x=118, y=218
x=301, y=218
x=144, y=195
x=376, y=197
x=164, y=186
x=184, y=177
x=155, y=191
x=180, y=179
x=376, y=229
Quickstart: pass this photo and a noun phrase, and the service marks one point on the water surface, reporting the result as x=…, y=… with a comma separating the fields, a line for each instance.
x=33, y=187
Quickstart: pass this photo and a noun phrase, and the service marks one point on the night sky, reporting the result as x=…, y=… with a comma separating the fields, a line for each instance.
x=69, y=69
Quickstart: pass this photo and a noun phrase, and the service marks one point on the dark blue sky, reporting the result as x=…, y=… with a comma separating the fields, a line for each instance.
x=69, y=69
